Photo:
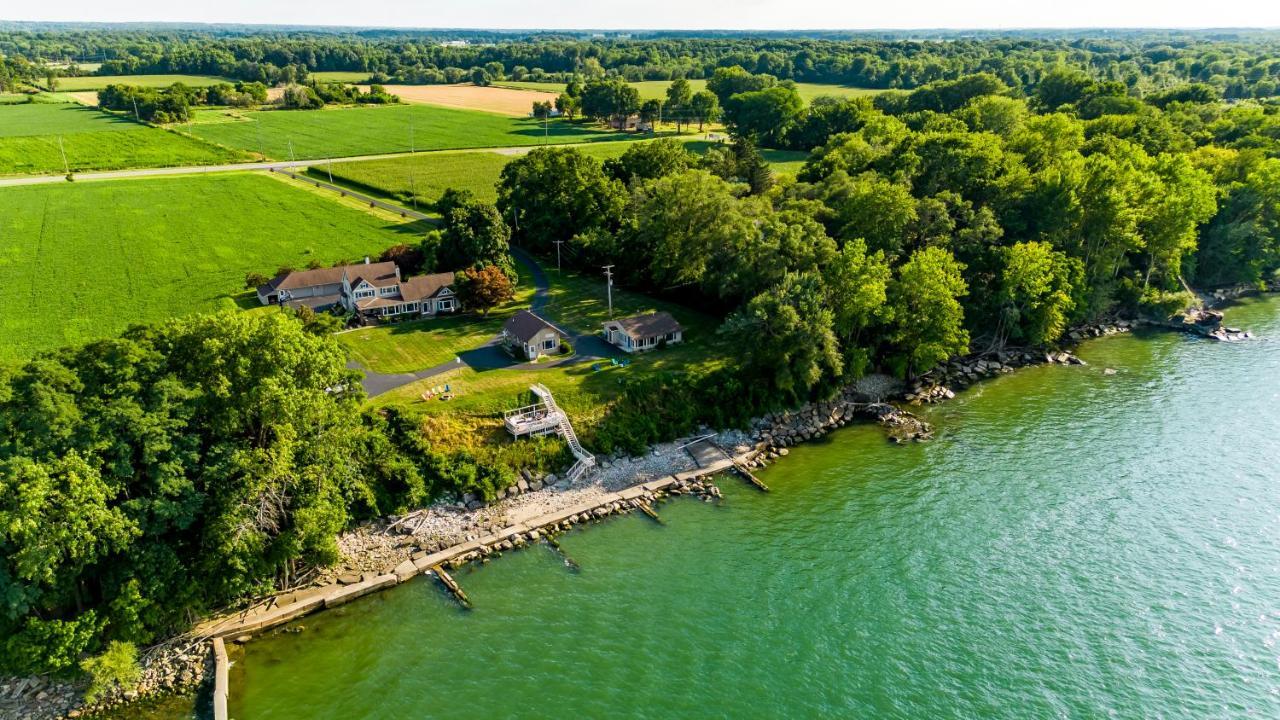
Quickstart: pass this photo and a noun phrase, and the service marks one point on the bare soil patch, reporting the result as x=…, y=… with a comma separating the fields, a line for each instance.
x=504, y=101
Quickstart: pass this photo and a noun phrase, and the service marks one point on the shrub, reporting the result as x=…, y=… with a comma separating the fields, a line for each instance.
x=117, y=666
x=566, y=347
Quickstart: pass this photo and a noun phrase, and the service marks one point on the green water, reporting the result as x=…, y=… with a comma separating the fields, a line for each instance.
x=1072, y=545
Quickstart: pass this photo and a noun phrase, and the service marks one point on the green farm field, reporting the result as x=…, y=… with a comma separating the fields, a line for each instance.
x=92, y=140
x=344, y=132
x=428, y=175
x=342, y=76
x=83, y=261
x=98, y=82
x=657, y=89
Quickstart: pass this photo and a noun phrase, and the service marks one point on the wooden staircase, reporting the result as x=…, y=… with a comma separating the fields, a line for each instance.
x=586, y=460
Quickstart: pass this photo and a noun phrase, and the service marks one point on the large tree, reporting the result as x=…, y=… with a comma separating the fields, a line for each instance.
x=555, y=193
x=927, y=318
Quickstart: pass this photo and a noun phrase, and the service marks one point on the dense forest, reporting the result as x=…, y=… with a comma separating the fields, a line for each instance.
x=1021, y=186
x=1238, y=65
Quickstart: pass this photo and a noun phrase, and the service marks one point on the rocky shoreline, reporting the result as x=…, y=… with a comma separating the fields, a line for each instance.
x=387, y=547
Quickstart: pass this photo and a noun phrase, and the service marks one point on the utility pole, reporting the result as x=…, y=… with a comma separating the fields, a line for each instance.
x=331, y=170
x=136, y=116
x=608, y=273
x=291, y=156
x=558, y=244
x=262, y=149
x=413, y=191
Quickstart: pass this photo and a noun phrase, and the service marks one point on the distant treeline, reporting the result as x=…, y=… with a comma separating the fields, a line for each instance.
x=1238, y=65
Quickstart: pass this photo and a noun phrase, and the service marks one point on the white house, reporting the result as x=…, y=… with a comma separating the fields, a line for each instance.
x=529, y=336
x=643, y=332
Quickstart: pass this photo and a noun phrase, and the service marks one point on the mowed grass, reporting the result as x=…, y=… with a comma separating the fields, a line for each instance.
x=426, y=176
x=34, y=137
x=344, y=132
x=98, y=82
x=657, y=89
x=83, y=261
x=412, y=346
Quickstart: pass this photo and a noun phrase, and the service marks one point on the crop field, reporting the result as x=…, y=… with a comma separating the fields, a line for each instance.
x=98, y=82
x=342, y=76
x=92, y=140
x=657, y=89
x=428, y=175
x=501, y=100
x=344, y=132
x=83, y=261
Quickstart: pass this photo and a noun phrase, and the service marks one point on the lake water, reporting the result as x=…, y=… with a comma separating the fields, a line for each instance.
x=1071, y=545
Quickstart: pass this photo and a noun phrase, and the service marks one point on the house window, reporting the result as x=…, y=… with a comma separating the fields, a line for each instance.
x=548, y=344
x=365, y=294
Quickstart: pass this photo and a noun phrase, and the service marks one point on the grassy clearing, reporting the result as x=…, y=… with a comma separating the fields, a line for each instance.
x=428, y=175
x=651, y=89
x=344, y=132
x=84, y=261
x=92, y=140
x=98, y=82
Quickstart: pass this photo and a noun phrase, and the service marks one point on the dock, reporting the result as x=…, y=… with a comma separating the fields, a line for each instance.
x=452, y=586
x=647, y=509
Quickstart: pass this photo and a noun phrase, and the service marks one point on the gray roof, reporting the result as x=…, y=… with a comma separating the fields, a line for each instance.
x=524, y=325
x=642, y=326
x=425, y=286
x=327, y=276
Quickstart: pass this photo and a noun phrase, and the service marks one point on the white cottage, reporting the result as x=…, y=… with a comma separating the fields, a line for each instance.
x=643, y=332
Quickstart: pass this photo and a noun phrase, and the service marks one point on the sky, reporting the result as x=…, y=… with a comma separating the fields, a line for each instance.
x=672, y=14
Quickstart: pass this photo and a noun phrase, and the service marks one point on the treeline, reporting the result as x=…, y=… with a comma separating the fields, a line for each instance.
x=174, y=103
x=152, y=478
x=951, y=219
x=1240, y=65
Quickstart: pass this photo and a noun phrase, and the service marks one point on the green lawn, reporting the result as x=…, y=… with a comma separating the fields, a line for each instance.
x=343, y=132
x=82, y=261
x=92, y=140
x=650, y=89
x=98, y=82
x=413, y=346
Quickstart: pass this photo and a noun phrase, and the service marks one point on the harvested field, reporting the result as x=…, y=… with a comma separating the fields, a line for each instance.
x=85, y=97
x=504, y=101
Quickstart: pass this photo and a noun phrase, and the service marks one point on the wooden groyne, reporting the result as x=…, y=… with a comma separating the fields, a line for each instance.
x=749, y=476
x=647, y=509
x=221, y=681
x=452, y=586
x=292, y=606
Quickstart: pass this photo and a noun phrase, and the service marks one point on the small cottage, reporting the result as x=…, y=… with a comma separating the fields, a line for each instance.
x=528, y=336
x=643, y=332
